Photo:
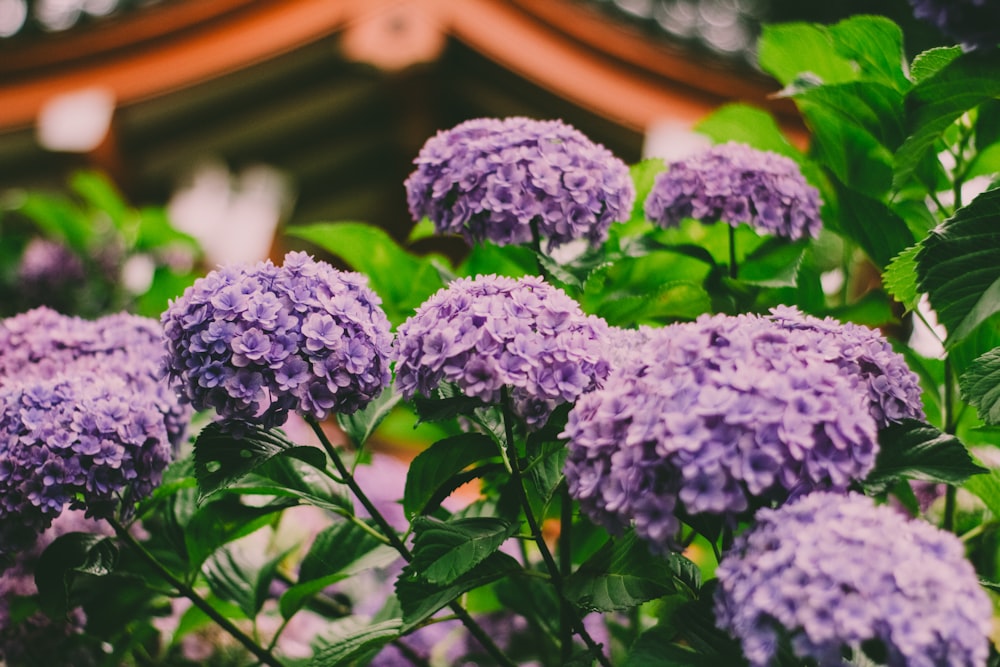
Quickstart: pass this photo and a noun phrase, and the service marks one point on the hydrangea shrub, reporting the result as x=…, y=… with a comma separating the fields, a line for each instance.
x=509, y=180
x=830, y=572
x=254, y=342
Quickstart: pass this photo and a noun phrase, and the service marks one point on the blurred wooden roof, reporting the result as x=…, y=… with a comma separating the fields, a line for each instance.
x=340, y=94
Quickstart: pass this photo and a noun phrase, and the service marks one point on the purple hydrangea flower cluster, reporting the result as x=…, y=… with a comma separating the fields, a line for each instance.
x=715, y=417
x=44, y=344
x=86, y=440
x=974, y=23
x=893, y=389
x=491, y=180
x=830, y=572
x=735, y=183
x=489, y=332
x=255, y=342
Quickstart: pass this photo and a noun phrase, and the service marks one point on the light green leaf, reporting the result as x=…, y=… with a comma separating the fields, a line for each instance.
x=749, y=125
x=900, y=278
x=986, y=488
x=980, y=385
x=958, y=265
x=876, y=228
x=932, y=61
x=875, y=45
x=789, y=49
x=360, y=425
x=776, y=263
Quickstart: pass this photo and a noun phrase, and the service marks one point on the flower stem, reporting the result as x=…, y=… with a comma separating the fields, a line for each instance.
x=262, y=654
x=395, y=542
x=733, y=268
x=950, y=493
x=565, y=566
x=567, y=613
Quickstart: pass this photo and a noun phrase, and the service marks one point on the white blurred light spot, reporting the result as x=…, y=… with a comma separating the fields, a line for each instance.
x=137, y=273
x=233, y=217
x=832, y=281
x=58, y=15
x=671, y=141
x=100, y=7
x=923, y=341
x=13, y=14
x=76, y=122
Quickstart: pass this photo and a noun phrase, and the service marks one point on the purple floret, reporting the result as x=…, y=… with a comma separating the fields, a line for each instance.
x=973, y=23
x=492, y=180
x=830, y=572
x=735, y=183
x=254, y=342
x=485, y=333
x=717, y=417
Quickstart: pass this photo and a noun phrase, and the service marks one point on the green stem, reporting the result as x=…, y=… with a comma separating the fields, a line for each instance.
x=262, y=654
x=950, y=496
x=565, y=566
x=396, y=543
x=733, y=268
x=566, y=611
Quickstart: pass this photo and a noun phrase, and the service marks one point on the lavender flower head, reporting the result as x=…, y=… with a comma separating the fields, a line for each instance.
x=894, y=392
x=255, y=342
x=716, y=416
x=971, y=22
x=492, y=180
x=43, y=344
x=485, y=333
x=735, y=183
x=87, y=441
x=831, y=572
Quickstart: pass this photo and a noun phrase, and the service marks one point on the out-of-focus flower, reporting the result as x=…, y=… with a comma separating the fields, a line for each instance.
x=735, y=183
x=48, y=271
x=974, y=23
x=717, y=417
x=893, y=389
x=86, y=440
x=253, y=343
x=829, y=572
x=39, y=639
x=485, y=333
x=43, y=344
x=493, y=180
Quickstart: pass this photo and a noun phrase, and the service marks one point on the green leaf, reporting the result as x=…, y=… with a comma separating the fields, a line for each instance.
x=748, y=125
x=420, y=599
x=59, y=219
x=958, y=265
x=669, y=300
x=980, y=385
x=789, y=49
x=63, y=560
x=656, y=647
x=444, y=551
x=360, y=425
x=511, y=260
x=914, y=450
x=932, y=61
x=643, y=175
x=544, y=470
x=404, y=281
x=429, y=479
x=288, y=477
x=235, y=577
x=100, y=193
x=443, y=408
x=338, y=552
x=986, y=488
x=938, y=100
x=624, y=573
x=223, y=520
x=900, y=278
x=350, y=640
x=880, y=232
x=221, y=458
x=776, y=263
x=875, y=45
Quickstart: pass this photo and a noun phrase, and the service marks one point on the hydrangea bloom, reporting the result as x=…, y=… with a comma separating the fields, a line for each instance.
x=714, y=417
x=893, y=389
x=833, y=572
x=256, y=342
x=735, y=183
x=971, y=22
x=43, y=344
x=491, y=180
x=86, y=440
x=489, y=332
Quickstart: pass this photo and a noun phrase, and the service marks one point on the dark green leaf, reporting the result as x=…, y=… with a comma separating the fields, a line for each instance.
x=980, y=386
x=431, y=471
x=958, y=265
x=695, y=623
x=880, y=232
x=624, y=573
x=900, y=278
x=223, y=520
x=748, y=125
x=353, y=639
x=63, y=560
x=440, y=409
x=221, y=459
x=930, y=62
x=360, y=425
x=233, y=578
x=914, y=450
x=656, y=647
x=288, y=477
x=421, y=599
x=940, y=99
x=544, y=470
x=444, y=551
x=789, y=49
